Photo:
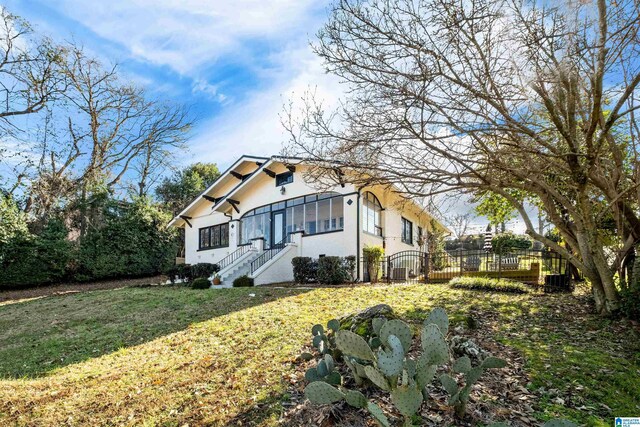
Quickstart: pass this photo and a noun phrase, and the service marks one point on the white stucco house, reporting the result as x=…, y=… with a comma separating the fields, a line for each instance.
x=260, y=214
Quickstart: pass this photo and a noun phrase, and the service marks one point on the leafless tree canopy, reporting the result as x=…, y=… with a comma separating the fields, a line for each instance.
x=72, y=130
x=516, y=98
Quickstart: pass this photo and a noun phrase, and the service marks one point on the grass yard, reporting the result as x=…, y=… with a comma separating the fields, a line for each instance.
x=173, y=356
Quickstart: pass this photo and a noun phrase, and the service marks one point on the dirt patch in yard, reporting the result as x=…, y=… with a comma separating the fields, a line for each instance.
x=68, y=288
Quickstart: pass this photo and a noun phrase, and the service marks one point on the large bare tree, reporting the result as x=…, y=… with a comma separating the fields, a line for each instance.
x=521, y=99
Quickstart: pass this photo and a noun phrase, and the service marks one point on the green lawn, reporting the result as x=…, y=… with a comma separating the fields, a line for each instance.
x=173, y=356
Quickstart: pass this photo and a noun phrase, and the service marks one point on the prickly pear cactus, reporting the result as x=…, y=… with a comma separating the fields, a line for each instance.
x=424, y=371
x=324, y=371
x=460, y=396
x=407, y=399
x=334, y=325
x=434, y=345
x=355, y=398
x=438, y=317
x=377, y=414
x=322, y=393
x=377, y=377
x=390, y=360
x=399, y=329
x=377, y=323
x=354, y=345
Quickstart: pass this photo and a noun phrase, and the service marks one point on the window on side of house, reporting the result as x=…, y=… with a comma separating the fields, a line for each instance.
x=420, y=235
x=407, y=231
x=284, y=178
x=216, y=236
x=371, y=214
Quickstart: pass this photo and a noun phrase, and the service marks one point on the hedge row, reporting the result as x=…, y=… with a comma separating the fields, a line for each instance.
x=192, y=272
x=331, y=270
x=489, y=284
x=131, y=241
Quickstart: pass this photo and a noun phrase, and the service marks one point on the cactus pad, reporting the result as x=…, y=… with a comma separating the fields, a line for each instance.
x=462, y=365
x=333, y=378
x=377, y=414
x=438, y=317
x=493, y=362
x=474, y=374
x=377, y=377
x=317, y=339
x=390, y=361
x=334, y=325
x=355, y=399
x=410, y=366
x=328, y=360
x=449, y=384
x=399, y=329
x=377, y=323
x=424, y=372
x=407, y=399
x=321, y=393
x=312, y=375
x=353, y=345
x=322, y=369
x=434, y=345
x=306, y=356
x=317, y=330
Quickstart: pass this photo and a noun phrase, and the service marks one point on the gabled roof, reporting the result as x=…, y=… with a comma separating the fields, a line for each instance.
x=260, y=161
x=272, y=160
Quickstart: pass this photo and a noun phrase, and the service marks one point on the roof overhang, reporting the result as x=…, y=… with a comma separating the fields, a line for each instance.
x=208, y=195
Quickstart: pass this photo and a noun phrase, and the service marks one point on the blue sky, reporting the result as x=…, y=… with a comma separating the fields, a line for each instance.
x=234, y=63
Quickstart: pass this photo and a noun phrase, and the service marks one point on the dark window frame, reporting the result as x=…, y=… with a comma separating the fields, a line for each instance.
x=370, y=202
x=218, y=232
x=284, y=178
x=406, y=231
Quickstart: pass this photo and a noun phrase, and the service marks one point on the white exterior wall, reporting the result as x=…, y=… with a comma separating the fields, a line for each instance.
x=263, y=191
x=279, y=270
x=260, y=190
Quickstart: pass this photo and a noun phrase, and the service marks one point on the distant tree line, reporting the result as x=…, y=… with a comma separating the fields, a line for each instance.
x=86, y=161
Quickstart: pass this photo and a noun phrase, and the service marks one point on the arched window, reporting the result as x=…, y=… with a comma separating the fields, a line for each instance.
x=371, y=214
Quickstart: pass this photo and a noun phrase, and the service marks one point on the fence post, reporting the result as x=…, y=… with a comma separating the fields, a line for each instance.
x=388, y=269
x=426, y=268
x=460, y=262
x=500, y=266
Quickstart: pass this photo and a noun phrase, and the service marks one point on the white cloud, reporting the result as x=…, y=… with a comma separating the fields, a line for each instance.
x=186, y=34
x=253, y=127
x=201, y=85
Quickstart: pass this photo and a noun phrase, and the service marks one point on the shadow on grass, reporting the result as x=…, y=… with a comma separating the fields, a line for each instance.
x=39, y=336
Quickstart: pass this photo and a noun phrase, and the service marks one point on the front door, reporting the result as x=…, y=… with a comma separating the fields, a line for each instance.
x=277, y=227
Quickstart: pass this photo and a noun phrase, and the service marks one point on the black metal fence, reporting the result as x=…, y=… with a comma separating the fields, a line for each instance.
x=529, y=266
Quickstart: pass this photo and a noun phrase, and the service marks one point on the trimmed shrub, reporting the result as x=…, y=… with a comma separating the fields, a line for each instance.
x=132, y=241
x=200, y=283
x=489, y=284
x=32, y=260
x=504, y=243
x=349, y=265
x=243, y=282
x=177, y=271
x=331, y=270
x=305, y=269
x=203, y=269
x=372, y=256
